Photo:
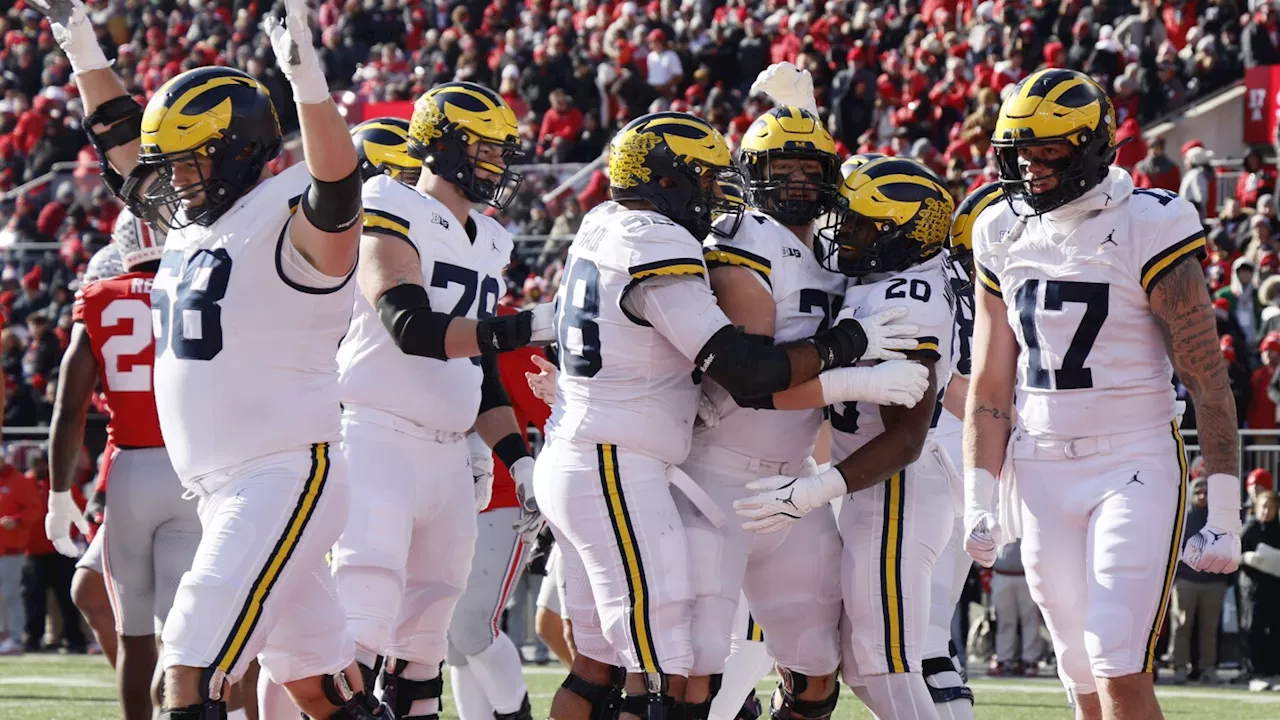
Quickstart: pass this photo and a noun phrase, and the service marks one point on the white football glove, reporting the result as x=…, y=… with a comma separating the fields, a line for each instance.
x=63, y=513
x=1216, y=548
x=886, y=337
x=73, y=32
x=481, y=470
x=784, y=499
x=894, y=382
x=982, y=533
x=787, y=85
x=543, y=384
x=708, y=412
x=543, y=329
x=296, y=56
x=531, y=522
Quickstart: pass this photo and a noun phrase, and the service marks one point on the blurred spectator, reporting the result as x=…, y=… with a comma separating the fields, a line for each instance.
x=19, y=510
x=48, y=570
x=1156, y=170
x=1197, y=602
x=1260, y=594
x=1016, y=616
x=1258, y=41
x=1262, y=409
x=1257, y=180
x=1199, y=185
x=1242, y=299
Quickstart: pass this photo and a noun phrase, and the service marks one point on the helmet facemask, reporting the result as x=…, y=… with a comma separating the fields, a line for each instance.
x=230, y=165
x=776, y=192
x=857, y=243
x=456, y=158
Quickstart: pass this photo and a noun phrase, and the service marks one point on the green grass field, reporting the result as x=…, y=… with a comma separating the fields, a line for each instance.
x=55, y=687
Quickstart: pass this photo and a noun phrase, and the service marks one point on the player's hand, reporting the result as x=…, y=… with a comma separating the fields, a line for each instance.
x=982, y=538
x=69, y=21
x=886, y=337
x=543, y=384
x=531, y=522
x=291, y=40
x=543, y=331
x=481, y=470
x=708, y=412
x=783, y=499
x=893, y=382
x=63, y=513
x=1213, y=550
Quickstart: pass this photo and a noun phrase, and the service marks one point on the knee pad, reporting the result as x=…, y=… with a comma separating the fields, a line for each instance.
x=788, y=704
x=702, y=710
x=944, y=683
x=751, y=709
x=399, y=694
x=352, y=705
x=606, y=700
x=524, y=713
x=655, y=703
x=370, y=674
x=958, y=661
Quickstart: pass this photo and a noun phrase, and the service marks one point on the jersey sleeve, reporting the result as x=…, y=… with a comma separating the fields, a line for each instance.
x=383, y=212
x=987, y=263
x=84, y=296
x=662, y=251
x=1169, y=230
x=748, y=248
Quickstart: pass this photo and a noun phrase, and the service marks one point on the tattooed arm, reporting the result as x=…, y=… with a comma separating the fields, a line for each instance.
x=1180, y=304
x=989, y=410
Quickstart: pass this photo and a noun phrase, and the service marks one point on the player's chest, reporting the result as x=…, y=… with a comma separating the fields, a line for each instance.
x=807, y=297
x=464, y=281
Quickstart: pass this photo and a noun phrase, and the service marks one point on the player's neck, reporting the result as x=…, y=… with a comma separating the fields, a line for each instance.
x=803, y=233
x=446, y=193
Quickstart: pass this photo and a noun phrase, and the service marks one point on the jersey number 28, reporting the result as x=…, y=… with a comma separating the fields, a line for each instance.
x=189, y=322
x=123, y=350
x=1073, y=375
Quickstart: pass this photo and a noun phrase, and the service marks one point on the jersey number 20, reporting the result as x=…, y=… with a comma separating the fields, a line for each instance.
x=190, y=321
x=1073, y=375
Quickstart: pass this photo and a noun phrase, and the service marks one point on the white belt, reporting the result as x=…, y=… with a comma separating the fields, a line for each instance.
x=720, y=457
x=364, y=413
x=1027, y=447
x=699, y=497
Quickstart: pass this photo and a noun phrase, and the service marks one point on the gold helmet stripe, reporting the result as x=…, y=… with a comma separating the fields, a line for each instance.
x=500, y=114
x=968, y=212
x=165, y=125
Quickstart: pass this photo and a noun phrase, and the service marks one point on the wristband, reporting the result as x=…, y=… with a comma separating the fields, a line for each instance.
x=510, y=449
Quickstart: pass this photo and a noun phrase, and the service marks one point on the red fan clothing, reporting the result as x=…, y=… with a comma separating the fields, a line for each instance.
x=116, y=312
x=20, y=504
x=528, y=409
x=37, y=543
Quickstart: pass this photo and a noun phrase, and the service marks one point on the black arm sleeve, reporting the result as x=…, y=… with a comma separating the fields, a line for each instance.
x=743, y=365
x=763, y=402
x=492, y=394
x=417, y=330
x=333, y=206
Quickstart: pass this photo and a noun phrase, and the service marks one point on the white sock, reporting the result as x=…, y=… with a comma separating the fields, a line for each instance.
x=897, y=696
x=419, y=671
x=747, y=663
x=498, y=670
x=274, y=702
x=468, y=695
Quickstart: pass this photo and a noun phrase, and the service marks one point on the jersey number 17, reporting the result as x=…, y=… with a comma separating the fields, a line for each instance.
x=1073, y=375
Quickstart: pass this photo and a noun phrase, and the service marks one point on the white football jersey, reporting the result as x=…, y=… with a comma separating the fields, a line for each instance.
x=962, y=292
x=1091, y=357
x=244, y=355
x=462, y=277
x=621, y=381
x=926, y=293
x=807, y=297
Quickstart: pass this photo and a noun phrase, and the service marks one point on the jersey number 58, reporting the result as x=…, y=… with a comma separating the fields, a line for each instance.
x=188, y=321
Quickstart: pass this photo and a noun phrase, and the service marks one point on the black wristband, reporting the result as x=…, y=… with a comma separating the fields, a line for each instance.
x=511, y=449
x=841, y=345
x=504, y=333
x=333, y=207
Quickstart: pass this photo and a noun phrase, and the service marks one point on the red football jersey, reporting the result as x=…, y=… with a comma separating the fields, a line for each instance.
x=116, y=312
x=528, y=409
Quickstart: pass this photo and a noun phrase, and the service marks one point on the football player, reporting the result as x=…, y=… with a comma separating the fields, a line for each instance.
x=887, y=230
x=635, y=318
x=88, y=586
x=1087, y=305
x=414, y=383
x=251, y=298
x=767, y=279
x=943, y=667
x=382, y=144
x=149, y=532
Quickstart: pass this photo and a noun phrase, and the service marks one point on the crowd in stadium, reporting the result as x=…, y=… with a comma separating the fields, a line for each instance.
x=911, y=78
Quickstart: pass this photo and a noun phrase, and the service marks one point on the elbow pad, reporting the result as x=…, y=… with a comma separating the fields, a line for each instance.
x=743, y=365
x=492, y=394
x=123, y=118
x=417, y=330
x=333, y=206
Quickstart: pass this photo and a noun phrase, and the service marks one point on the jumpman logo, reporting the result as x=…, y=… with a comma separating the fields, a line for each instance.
x=1135, y=479
x=1110, y=239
